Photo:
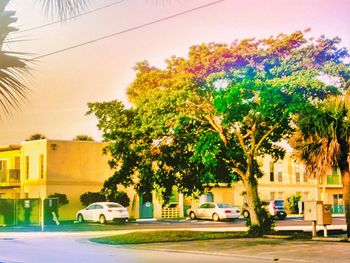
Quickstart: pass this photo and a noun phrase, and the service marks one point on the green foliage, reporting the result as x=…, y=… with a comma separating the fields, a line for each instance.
x=62, y=199
x=91, y=197
x=293, y=203
x=83, y=137
x=165, y=236
x=36, y=136
x=208, y=118
x=119, y=197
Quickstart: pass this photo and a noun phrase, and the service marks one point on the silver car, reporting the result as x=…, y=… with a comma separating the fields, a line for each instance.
x=214, y=211
x=103, y=212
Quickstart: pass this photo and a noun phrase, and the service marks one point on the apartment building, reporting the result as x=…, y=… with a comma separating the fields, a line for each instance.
x=36, y=169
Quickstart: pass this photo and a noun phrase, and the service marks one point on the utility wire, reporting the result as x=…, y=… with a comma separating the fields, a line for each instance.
x=128, y=30
x=69, y=18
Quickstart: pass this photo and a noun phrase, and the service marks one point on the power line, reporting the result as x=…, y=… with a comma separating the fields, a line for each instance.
x=128, y=30
x=69, y=18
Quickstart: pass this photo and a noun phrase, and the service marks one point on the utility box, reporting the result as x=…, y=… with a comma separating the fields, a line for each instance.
x=310, y=210
x=318, y=212
x=324, y=214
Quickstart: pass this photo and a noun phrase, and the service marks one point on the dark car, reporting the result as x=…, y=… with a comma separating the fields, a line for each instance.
x=275, y=208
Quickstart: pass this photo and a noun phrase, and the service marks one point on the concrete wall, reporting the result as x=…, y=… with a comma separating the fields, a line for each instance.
x=69, y=167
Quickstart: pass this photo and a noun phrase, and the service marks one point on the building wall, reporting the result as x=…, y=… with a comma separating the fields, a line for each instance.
x=66, y=167
x=8, y=156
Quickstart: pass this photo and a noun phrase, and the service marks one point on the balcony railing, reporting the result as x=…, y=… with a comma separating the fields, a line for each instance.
x=9, y=177
x=334, y=179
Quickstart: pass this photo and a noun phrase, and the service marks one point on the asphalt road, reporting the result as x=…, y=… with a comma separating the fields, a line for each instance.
x=293, y=223
x=69, y=243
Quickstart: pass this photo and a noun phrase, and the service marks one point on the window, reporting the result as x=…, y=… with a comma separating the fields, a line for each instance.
x=272, y=196
x=279, y=172
x=272, y=171
x=3, y=165
x=305, y=178
x=41, y=168
x=27, y=167
x=297, y=173
x=17, y=163
x=306, y=196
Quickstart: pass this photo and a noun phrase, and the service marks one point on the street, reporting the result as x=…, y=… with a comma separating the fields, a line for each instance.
x=67, y=245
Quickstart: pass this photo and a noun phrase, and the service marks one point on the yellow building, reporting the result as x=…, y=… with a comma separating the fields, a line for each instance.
x=36, y=169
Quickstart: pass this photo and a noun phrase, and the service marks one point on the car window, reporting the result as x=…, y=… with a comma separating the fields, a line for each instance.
x=279, y=203
x=114, y=205
x=98, y=207
x=90, y=207
x=204, y=206
x=211, y=206
x=224, y=206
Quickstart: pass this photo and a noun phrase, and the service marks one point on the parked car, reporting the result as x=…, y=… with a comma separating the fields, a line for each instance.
x=274, y=208
x=277, y=209
x=103, y=212
x=245, y=212
x=214, y=211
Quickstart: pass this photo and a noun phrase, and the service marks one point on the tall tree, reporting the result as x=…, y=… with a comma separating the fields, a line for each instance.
x=209, y=118
x=322, y=141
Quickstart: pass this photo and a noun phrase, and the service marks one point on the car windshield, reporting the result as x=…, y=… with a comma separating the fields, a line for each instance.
x=224, y=206
x=279, y=203
x=114, y=205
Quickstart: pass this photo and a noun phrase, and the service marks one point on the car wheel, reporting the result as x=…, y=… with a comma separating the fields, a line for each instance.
x=192, y=215
x=245, y=214
x=215, y=217
x=80, y=218
x=102, y=219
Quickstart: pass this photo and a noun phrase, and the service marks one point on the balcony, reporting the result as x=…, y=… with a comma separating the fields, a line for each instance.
x=10, y=178
x=334, y=180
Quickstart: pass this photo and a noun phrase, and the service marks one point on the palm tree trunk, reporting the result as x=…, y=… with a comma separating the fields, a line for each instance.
x=345, y=173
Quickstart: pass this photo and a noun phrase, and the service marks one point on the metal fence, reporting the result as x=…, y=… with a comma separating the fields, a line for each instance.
x=30, y=211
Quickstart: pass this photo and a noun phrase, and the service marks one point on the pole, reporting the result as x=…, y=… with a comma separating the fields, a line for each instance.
x=325, y=233
x=313, y=228
x=42, y=214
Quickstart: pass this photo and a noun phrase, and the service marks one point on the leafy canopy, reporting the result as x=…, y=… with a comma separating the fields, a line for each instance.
x=207, y=119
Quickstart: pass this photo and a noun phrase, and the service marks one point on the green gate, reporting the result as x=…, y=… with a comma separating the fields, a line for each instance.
x=50, y=211
x=146, y=206
x=7, y=212
x=28, y=211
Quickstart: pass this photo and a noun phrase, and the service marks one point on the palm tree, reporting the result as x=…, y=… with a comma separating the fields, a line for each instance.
x=64, y=8
x=322, y=141
x=13, y=65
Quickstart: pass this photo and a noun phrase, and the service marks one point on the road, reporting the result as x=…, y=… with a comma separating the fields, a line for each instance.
x=71, y=244
x=54, y=249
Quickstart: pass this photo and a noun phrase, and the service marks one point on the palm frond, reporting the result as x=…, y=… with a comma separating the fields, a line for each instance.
x=13, y=68
x=63, y=8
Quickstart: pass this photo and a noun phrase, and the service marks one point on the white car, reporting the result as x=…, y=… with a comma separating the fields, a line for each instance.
x=103, y=212
x=214, y=211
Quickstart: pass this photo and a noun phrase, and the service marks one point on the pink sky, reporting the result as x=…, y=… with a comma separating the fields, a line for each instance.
x=63, y=84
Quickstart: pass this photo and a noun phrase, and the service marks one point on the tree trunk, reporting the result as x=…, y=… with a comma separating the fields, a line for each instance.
x=252, y=199
x=345, y=174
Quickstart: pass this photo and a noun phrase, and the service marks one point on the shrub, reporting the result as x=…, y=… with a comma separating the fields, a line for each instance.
x=91, y=197
x=293, y=203
x=62, y=199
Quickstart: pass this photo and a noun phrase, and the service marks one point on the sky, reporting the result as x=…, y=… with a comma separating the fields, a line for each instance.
x=62, y=84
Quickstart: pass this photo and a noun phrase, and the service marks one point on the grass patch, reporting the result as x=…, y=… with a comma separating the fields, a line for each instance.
x=165, y=236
